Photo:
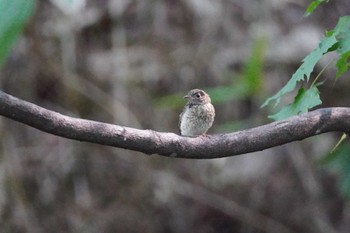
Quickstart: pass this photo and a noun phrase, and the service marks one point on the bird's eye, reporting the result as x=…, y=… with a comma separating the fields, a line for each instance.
x=198, y=95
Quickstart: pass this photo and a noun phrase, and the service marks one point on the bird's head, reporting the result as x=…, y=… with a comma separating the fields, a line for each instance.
x=197, y=96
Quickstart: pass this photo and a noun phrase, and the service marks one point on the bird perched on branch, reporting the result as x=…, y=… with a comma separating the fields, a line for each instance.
x=198, y=114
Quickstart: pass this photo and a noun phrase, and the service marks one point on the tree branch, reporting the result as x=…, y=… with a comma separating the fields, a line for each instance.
x=169, y=144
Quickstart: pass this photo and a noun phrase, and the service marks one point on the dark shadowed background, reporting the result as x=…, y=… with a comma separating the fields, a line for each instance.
x=129, y=62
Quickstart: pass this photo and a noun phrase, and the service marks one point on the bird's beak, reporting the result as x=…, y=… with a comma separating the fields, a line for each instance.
x=186, y=97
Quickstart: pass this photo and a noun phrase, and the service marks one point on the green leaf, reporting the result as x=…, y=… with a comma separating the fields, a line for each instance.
x=337, y=40
x=13, y=16
x=313, y=6
x=304, y=100
x=343, y=35
x=343, y=64
x=245, y=84
x=341, y=140
x=253, y=69
x=342, y=26
x=304, y=71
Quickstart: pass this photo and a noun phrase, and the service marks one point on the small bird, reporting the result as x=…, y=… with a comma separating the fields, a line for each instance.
x=198, y=114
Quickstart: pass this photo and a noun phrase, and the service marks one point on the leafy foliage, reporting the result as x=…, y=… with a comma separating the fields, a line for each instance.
x=248, y=82
x=304, y=71
x=313, y=6
x=245, y=84
x=339, y=162
x=304, y=100
x=336, y=40
x=14, y=15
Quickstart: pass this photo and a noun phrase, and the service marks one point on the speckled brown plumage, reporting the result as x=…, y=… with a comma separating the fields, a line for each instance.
x=198, y=114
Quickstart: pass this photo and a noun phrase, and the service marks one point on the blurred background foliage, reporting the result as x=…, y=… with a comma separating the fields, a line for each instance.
x=130, y=62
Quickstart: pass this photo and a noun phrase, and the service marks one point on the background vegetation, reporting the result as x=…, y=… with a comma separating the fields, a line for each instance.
x=129, y=63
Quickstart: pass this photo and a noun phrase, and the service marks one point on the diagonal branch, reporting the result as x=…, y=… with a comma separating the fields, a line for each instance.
x=169, y=144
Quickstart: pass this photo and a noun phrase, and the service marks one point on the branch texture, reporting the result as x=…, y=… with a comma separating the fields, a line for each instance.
x=170, y=144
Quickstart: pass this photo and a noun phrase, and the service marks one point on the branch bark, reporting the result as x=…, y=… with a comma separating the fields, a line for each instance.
x=170, y=144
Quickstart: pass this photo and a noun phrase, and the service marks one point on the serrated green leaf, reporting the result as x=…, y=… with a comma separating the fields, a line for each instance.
x=338, y=40
x=304, y=71
x=14, y=14
x=342, y=26
x=304, y=100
